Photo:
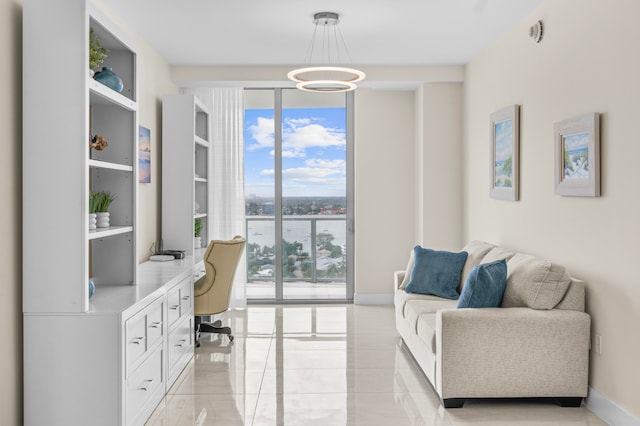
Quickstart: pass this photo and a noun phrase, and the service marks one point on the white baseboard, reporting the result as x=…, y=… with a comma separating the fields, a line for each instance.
x=609, y=411
x=373, y=299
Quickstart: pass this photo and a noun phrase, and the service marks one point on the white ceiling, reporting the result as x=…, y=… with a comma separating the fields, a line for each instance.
x=278, y=32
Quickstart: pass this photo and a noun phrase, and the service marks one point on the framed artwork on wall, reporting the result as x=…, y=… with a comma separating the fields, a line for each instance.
x=505, y=153
x=577, y=156
x=144, y=155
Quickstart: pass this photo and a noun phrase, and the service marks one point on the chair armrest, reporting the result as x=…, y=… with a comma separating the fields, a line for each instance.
x=398, y=276
x=512, y=352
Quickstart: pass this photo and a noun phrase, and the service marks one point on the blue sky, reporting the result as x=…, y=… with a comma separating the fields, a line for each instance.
x=503, y=135
x=313, y=152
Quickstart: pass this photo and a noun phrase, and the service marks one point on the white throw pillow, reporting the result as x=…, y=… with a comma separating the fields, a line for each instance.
x=534, y=282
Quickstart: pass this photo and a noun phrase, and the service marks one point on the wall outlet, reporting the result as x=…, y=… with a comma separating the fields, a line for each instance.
x=598, y=344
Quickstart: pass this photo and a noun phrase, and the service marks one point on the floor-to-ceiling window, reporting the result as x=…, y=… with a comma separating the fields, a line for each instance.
x=298, y=186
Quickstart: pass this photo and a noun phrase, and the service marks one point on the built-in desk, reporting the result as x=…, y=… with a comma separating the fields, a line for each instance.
x=113, y=364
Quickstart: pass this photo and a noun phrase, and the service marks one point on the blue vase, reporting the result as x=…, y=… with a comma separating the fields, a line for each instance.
x=109, y=79
x=92, y=288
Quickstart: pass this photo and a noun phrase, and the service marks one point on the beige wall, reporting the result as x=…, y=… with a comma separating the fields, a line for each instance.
x=11, y=212
x=154, y=80
x=587, y=62
x=384, y=176
x=438, y=180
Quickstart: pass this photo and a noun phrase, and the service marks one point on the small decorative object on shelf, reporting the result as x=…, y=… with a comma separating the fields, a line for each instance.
x=102, y=201
x=92, y=288
x=97, y=53
x=109, y=79
x=97, y=142
x=92, y=211
x=197, y=229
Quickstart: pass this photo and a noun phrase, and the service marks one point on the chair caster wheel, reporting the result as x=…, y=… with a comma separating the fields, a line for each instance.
x=231, y=337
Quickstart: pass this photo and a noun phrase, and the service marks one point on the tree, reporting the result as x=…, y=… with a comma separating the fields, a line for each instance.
x=323, y=241
x=507, y=166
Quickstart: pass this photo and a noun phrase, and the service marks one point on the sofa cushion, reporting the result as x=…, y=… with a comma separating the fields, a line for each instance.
x=534, y=282
x=436, y=272
x=407, y=274
x=573, y=299
x=497, y=253
x=485, y=286
x=426, y=328
x=477, y=251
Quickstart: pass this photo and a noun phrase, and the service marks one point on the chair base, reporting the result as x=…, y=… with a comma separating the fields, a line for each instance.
x=205, y=327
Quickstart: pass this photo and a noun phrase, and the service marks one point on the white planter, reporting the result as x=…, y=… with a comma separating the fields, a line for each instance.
x=92, y=221
x=197, y=242
x=102, y=220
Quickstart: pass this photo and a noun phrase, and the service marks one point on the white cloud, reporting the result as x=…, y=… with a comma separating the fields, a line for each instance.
x=297, y=135
x=332, y=164
x=263, y=134
x=316, y=171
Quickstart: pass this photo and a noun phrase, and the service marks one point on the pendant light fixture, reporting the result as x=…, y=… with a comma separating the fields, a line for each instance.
x=328, y=78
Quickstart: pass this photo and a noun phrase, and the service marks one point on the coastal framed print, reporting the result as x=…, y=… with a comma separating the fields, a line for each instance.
x=505, y=151
x=144, y=155
x=577, y=156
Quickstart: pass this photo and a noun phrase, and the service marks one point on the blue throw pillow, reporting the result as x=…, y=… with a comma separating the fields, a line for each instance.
x=436, y=272
x=485, y=286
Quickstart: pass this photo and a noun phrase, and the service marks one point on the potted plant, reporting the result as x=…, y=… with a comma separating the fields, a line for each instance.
x=103, y=200
x=97, y=53
x=92, y=210
x=197, y=229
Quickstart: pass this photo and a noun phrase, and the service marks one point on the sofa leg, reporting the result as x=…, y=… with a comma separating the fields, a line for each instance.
x=569, y=402
x=453, y=402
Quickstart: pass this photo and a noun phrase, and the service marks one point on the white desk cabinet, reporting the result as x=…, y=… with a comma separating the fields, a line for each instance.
x=113, y=364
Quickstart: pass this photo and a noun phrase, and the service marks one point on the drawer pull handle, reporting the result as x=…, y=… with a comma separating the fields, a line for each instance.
x=186, y=297
x=175, y=307
x=182, y=342
x=156, y=324
x=146, y=385
x=137, y=340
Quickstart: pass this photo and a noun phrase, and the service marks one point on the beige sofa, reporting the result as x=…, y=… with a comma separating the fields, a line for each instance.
x=535, y=345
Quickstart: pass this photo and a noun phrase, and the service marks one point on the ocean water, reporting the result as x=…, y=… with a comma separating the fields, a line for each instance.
x=262, y=231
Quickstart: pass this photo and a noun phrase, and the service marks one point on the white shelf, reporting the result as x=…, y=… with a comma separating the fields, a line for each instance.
x=109, y=232
x=110, y=166
x=186, y=142
x=106, y=95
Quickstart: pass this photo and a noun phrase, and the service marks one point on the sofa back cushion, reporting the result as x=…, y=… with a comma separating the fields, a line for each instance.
x=484, y=286
x=477, y=251
x=497, y=253
x=573, y=300
x=436, y=272
x=407, y=273
x=534, y=283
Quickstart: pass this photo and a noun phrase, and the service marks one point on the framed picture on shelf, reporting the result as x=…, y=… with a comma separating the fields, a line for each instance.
x=505, y=151
x=144, y=155
x=577, y=156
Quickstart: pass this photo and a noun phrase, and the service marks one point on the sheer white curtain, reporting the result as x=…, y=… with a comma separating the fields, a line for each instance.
x=226, y=167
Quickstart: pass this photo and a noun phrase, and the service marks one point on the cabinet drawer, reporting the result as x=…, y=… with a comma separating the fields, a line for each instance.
x=143, y=383
x=173, y=302
x=180, y=341
x=142, y=331
x=155, y=322
x=136, y=336
x=186, y=298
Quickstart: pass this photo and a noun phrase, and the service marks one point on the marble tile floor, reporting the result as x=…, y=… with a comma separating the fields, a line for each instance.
x=326, y=365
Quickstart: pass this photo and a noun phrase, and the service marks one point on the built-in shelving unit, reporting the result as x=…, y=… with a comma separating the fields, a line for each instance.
x=108, y=360
x=186, y=137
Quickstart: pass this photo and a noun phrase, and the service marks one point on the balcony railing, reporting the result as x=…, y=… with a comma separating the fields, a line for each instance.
x=314, y=248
